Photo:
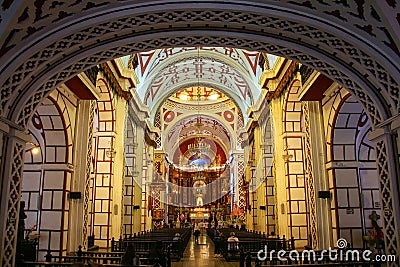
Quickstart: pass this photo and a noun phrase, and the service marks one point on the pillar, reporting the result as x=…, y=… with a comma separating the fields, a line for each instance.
x=317, y=180
x=387, y=159
x=238, y=181
x=118, y=169
x=13, y=143
x=81, y=176
x=282, y=218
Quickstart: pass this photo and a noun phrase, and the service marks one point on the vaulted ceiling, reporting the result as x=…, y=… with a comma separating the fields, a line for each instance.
x=233, y=72
x=214, y=84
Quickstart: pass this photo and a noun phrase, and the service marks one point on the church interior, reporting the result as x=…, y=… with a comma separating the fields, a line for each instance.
x=159, y=141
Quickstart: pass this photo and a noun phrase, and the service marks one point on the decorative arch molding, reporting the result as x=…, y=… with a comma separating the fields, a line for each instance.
x=216, y=59
x=191, y=116
x=351, y=173
x=240, y=104
x=339, y=96
x=47, y=176
x=346, y=128
x=370, y=72
x=166, y=57
x=214, y=139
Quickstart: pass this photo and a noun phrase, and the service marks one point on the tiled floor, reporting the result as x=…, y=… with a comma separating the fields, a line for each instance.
x=202, y=255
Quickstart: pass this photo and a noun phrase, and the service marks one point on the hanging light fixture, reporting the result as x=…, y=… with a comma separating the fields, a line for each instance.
x=199, y=147
x=198, y=141
x=198, y=124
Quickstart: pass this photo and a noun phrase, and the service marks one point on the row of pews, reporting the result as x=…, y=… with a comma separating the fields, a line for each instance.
x=142, y=243
x=246, y=251
x=249, y=241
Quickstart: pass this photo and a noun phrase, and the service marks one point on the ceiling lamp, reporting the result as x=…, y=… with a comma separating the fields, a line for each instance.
x=183, y=96
x=34, y=149
x=213, y=96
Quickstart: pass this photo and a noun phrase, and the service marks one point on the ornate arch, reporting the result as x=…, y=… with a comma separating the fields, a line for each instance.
x=353, y=172
x=239, y=103
x=238, y=83
x=300, y=225
x=102, y=178
x=47, y=176
x=370, y=72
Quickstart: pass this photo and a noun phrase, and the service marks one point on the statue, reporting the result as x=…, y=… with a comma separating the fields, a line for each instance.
x=26, y=248
x=21, y=223
x=199, y=200
x=375, y=237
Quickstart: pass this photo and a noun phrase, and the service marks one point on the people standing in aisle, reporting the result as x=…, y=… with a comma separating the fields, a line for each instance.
x=196, y=234
x=218, y=240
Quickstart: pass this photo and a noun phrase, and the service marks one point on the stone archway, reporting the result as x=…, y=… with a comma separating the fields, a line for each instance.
x=354, y=44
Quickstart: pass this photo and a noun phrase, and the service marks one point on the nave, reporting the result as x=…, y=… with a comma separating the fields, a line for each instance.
x=202, y=255
x=127, y=122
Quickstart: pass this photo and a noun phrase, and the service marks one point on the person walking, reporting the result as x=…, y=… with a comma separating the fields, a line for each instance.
x=218, y=244
x=196, y=234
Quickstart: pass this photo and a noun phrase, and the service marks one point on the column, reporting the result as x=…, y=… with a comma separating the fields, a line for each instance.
x=282, y=218
x=317, y=180
x=11, y=171
x=81, y=175
x=387, y=159
x=238, y=182
x=118, y=170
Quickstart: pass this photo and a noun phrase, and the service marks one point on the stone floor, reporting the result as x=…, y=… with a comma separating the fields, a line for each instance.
x=202, y=255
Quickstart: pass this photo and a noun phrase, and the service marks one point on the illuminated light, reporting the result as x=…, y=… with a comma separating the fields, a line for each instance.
x=35, y=150
x=183, y=97
x=213, y=96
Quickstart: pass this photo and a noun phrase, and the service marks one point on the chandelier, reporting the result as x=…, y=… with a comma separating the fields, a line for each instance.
x=199, y=177
x=199, y=148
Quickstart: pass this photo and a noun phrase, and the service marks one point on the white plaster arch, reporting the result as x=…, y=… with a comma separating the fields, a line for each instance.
x=192, y=115
x=186, y=56
x=214, y=139
x=241, y=105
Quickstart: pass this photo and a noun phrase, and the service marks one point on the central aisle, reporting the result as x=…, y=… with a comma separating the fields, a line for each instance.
x=202, y=255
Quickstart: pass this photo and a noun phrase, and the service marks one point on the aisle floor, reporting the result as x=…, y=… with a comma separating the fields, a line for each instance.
x=202, y=255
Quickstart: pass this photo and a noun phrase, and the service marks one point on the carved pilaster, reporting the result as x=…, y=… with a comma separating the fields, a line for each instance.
x=388, y=171
x=240, y=183
x=88, y=168
x=310, y=176
x=320, y=227
x=11, y=178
